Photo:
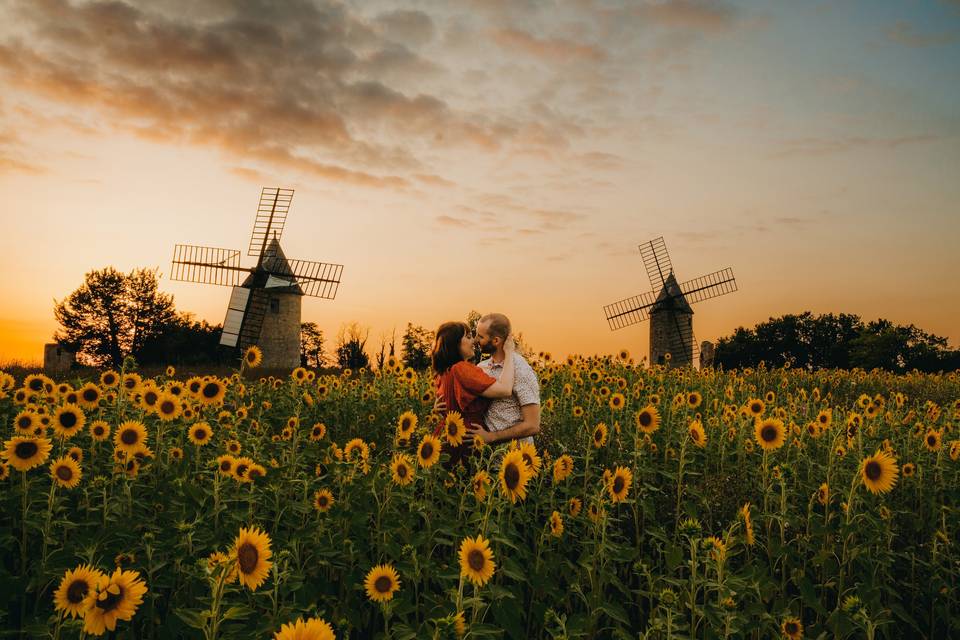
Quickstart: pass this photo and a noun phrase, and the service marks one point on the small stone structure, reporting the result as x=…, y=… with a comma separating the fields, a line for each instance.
x=57, y=358
x=707, y=351
x=280, y=333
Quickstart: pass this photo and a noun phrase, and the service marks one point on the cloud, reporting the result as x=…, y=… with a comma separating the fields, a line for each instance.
x=307, y=85
x=555, y=50
x=904, y=33
x=697, y=15
x=843, y=144
x=450, y=221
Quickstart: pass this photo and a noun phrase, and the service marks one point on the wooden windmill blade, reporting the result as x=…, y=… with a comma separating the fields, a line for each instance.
x=712, y=285
x=630, y=311
x=315, y=279
x=207, y=265
x=271, y=217
x=656, y=260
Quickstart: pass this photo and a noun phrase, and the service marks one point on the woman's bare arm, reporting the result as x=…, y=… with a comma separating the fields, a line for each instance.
x=503, y=388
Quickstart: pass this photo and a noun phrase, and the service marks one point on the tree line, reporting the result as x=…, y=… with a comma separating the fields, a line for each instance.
x=113, y=315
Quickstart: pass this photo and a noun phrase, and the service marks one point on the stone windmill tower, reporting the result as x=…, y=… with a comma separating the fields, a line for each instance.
x=667, y=306
x=265, y=307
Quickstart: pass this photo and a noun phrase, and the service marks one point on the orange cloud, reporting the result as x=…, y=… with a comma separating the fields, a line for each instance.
x=548, y=49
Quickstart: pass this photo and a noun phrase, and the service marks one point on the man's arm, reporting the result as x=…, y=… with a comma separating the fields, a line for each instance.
x=529, y=425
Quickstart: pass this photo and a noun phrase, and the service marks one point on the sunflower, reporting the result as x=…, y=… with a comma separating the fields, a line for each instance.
x=406, y=423
x=909, y=470
x=130, y=436
x=600, y=435
x=481, y=480
x=756, y=407
x=955, y=450
x=68, y=420
x=694, y=399
x=65, y=472
x=562, y=468
x=150, y=396
x=255, y=471
x=401, y=469
x=823, y=494
x=168, y=406
x=697, y=435
x=4, y=471
x=99, y=430
x=318, y=431
x=556, y=524
x=747, y=524
x=453, y=428
x=879, y=472
x=26, y=421
x=38, y=383
x=381, y=583
x=251, y=552
x=596, y=512
x=514, y=476
x=116, y=597
x=312, y=629
x=932, y=440
x=769, y=433
x=299, y=374
x=578, y=412
x=252, y=357
x=200, y=433
x=619, y=484
x=226, y=463
x=476, y=560
x=241, y=469
x=74, y=587
x=176, y=454
x=617, y=401
x=323, y=500
x=26, y=453
x=574, y=505
x=356, y=446
x=647, y=419
x=792, y=627
x=89, y=396
x=530, y=457
x=825, y=418
x=212, y=391
x=428, y=453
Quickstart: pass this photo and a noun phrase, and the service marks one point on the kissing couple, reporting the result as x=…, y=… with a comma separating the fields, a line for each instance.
x=498, y=398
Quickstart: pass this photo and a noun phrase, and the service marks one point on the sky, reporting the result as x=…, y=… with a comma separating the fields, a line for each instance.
x=499, y=155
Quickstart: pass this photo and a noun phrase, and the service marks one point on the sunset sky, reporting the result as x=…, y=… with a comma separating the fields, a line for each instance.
x=503, y=155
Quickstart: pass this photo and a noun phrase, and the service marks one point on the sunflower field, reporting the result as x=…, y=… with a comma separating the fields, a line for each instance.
x=656, y=503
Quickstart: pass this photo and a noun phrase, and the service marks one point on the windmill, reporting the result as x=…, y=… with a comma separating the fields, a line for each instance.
x=667, y=306
x=265, y=304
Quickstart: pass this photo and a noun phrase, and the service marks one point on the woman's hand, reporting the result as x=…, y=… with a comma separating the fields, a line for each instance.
x=509, y=346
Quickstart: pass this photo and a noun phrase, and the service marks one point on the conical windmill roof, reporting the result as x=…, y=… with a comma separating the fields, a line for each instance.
x=274, y=273
x=671, y=298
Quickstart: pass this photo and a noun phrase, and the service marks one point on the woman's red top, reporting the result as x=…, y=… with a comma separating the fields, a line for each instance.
x=460, y=387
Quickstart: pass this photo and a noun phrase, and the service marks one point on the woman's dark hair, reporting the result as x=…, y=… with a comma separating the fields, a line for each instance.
x=446, y=347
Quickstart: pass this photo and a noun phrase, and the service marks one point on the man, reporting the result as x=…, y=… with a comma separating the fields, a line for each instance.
x=517, y=416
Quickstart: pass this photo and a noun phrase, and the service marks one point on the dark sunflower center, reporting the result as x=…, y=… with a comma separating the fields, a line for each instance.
x=129, y=436
x=768, y=433
x=931, y=440
x=790, y=627
x=167, y=406
x=68, y=420
x=26, y=450
x=476, y=559
x=64, y=473
x=755, y=407
x=452, y=429
x=200, y=434
x=112, y=601
x=528, y=460
x=77, y=591
x=254, y=473
x=241, y=469
x=402, y=471
x=322, y=501
x=511, y=476
x=695, y=435
x=873, y=470
x=383, y=584
x=645, y=419
x=98, y=430
x=24, y=422
x=247, y=557
x=618, y=484
x=90, y=395
x=210, y=390
x=426, y=451
x=151, y=397
x=36, y=385
x=225, y=466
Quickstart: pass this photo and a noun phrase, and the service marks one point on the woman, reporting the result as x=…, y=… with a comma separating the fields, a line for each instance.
x=463, y=386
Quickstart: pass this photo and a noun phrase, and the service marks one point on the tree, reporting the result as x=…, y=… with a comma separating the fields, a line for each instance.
x=311, y=345
x=184, y=341
x=835, y=341
x=382, y=354
x=112, y=315
x=416, y=344
x=351, y=346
